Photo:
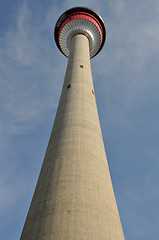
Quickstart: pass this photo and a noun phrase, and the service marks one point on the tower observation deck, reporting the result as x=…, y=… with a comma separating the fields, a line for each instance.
x=84, y=21
x=74, y=197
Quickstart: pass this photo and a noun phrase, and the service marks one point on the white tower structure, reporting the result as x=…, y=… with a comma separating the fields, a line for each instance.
x=74, y=197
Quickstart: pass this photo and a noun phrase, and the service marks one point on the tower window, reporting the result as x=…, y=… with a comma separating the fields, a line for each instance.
x=92, y=92
x=68, y=86
x=81, y=66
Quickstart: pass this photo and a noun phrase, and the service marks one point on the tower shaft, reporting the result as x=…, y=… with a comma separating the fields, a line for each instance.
x=74, y=198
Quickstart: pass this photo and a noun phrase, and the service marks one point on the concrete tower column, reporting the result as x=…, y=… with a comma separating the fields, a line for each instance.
x=74, y=197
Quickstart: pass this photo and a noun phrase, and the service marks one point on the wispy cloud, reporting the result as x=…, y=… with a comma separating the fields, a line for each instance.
x=26, y=63
x=130, y=50
x=8, y=195
x=135, y=36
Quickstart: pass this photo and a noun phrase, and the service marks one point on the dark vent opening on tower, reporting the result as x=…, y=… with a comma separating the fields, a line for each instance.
x=92, y=92
x=69, y=86
x=81, y=66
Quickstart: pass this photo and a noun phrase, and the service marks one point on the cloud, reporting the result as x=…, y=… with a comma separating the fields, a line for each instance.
x=133, y=41
x=130, y=52
x=21, y=48
x=8, y=195
x=28, y=88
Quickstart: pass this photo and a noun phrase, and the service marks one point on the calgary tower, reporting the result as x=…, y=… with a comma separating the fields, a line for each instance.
x=74, y=197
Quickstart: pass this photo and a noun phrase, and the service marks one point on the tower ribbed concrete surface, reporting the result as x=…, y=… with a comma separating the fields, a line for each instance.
x=74, y=197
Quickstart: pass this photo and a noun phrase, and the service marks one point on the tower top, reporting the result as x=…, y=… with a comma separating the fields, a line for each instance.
x=80, y=20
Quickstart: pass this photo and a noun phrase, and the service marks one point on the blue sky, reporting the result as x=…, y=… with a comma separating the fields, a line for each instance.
x=126, y=79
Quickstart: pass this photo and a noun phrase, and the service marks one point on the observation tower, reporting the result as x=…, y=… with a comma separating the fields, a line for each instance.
x=74, y=197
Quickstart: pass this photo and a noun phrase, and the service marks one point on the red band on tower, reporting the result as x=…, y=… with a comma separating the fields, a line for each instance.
x=82, y=15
